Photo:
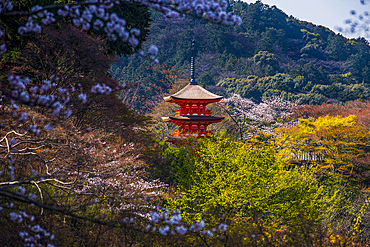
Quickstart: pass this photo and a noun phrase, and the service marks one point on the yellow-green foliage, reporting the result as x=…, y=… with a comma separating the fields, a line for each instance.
x=331, y=142
x=358, y=219
x=231, y=181
x=309, y=126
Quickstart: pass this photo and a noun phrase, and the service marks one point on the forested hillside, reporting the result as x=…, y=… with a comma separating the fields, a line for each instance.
x=79, y=167
x=270, y=54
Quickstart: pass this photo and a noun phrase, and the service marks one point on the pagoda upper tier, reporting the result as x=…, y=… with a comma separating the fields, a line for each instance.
x=193, y=118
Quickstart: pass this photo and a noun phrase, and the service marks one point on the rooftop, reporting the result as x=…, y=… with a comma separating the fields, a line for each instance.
x=193, y=92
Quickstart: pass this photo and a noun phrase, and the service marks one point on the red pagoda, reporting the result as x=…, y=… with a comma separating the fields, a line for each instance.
x=193, y=117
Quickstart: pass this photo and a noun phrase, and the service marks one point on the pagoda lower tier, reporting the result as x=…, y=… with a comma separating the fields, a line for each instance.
x=192, y=125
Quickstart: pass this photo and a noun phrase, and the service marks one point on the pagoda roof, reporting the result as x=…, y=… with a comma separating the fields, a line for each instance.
x=193, y=118
x=193, y=92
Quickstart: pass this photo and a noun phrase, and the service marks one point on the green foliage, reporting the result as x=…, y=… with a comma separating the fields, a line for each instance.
x=206, y=79
x=179, y=164
x=339, y=87
x=228, y=180
x=336, y=47
x=266, y=63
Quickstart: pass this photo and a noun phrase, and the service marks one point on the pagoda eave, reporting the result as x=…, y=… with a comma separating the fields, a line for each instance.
x=209, y=119
x=173, y=99
x=168, y=98
x=166, y=119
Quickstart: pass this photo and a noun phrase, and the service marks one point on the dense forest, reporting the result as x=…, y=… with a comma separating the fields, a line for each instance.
x=269, y=54
x=81, y=166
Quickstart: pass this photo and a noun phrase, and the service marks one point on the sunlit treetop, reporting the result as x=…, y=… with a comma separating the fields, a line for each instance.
x=309, y=126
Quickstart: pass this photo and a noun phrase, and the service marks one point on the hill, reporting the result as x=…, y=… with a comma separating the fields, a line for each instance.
x=271, y=53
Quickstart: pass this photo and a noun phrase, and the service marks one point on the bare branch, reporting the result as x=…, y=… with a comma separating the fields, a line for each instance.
x=42, y=198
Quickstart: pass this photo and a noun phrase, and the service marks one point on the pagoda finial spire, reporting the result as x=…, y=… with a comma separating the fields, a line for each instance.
x=193, y=81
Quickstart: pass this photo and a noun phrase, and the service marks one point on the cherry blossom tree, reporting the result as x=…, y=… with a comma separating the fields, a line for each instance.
x=252, y=118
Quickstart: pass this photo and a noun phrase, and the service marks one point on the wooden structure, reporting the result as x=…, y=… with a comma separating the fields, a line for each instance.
x=193, y=118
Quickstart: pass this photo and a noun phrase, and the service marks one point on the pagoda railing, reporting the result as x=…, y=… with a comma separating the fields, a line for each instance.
x=180, y=112
x=182, y=133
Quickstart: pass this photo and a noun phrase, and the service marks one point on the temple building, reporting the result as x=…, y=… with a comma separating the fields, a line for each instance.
x=193, y=118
